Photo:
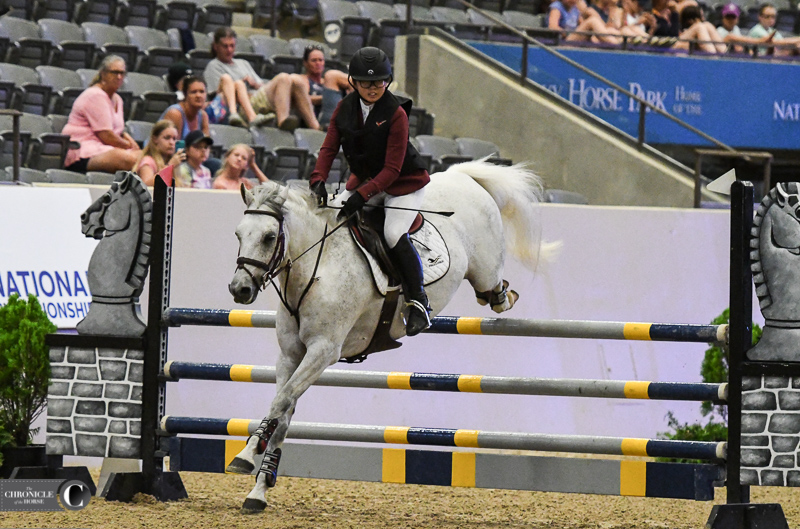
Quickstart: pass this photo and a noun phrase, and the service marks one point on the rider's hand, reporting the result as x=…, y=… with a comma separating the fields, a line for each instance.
x=353, y=204
x=318, y=188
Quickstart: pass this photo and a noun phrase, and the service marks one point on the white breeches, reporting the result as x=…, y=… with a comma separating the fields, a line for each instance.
x=398, y=222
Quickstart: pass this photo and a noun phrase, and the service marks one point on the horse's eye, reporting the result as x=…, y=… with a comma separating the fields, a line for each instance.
x=268, y=238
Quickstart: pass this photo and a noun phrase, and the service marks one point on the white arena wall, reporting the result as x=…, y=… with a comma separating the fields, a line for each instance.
x=616, y=263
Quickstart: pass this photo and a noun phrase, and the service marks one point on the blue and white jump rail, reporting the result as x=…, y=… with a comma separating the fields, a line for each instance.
x=602, y=330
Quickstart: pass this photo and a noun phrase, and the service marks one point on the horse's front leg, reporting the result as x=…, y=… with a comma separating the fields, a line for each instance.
x=320, y=353
x=245, y=461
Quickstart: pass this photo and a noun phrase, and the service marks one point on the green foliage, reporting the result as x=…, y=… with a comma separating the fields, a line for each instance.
x=714, y=370
x=24, y=366
x=5, y=439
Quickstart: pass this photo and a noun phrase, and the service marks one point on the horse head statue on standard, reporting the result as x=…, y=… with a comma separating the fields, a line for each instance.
x=331, y=309
x=121, y=218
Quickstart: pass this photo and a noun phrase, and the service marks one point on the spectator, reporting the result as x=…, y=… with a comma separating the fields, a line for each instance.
x=278, y=95
x=695, y=28
x=636, y=19
x=97, y=123
x=566, y=15
x=195, y=113
x=217, y=110
x=732, y=34
x=767, y=16
x=667, y=17
x=192, y=173
x=316, y=80
x=238, y=160
x=160, y=152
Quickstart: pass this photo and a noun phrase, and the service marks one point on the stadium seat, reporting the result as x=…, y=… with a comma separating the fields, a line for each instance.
x=22, y=9
x=47, y=149
x=278, y=54
x=99, y=178
x=420, y=14
x=139, y=130
x=522, y=20
x=143, y=13
x=476, y=149
x=57, y=122
x=151, y=97
x=86, y=75
x=262, y=12
x=29, y=176
x=226, y=136
x=458, y=23
x=533, y=7
x=202, y=41
x=311, y=140
x=345, y=30
x=66, y=85
x=786, y=21
x=214, y=15
x=155, y=52
x=102, y=11
x=443, y=151
x=26, y=45
x=55, y=9
x=73, y=51
x=177, y=14
x=110, y=40
x=198, y=59
x=7, y=91
x=62, y=176
x=284, y=161
x=305, y=13
x=420, y=121
x=30, y=95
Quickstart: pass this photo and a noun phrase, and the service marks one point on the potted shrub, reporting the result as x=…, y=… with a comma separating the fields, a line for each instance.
x=24, y=378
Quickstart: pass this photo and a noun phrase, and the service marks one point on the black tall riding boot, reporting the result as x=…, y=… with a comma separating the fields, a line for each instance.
x=405, y=257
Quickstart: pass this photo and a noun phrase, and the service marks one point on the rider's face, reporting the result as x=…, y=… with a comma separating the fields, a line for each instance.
x=372, y=92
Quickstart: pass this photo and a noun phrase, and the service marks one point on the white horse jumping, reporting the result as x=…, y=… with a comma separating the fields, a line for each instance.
x=331, y=307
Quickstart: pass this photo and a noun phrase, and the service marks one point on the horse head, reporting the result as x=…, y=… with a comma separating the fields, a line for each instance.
x=786, y=217
x=262, y=241
x=103, y=216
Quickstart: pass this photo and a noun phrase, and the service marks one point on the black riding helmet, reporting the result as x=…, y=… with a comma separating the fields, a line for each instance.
x=370, y=64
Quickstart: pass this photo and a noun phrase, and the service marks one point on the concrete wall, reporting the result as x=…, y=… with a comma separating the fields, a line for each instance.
x=570, y=148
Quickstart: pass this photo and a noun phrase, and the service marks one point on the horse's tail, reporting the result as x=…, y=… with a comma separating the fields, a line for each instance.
x=517, y=192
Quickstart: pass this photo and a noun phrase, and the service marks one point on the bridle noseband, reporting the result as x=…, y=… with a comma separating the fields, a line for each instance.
x=270, y=268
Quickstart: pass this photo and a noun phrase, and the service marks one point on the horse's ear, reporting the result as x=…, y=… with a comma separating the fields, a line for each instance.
x=247, y=196
x=124, y=182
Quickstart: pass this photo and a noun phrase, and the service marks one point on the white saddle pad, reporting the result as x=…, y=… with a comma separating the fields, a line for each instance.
x=432, y=252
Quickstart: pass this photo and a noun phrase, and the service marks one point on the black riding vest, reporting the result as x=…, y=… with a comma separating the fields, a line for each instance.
x=365, y=147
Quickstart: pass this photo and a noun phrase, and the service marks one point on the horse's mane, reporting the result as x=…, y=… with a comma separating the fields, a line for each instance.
x=278, y=197
x=141, y=196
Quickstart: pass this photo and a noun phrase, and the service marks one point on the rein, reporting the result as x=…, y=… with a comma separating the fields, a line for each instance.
x=271, y=268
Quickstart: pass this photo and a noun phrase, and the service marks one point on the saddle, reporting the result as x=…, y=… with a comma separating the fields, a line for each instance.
x=367, y=232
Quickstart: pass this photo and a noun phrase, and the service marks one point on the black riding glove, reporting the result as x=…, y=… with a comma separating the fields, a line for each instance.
x=353, y=204
x=318, y=189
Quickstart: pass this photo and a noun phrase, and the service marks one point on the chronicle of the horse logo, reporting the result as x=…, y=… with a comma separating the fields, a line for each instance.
x=776, y=272
x=121, y=219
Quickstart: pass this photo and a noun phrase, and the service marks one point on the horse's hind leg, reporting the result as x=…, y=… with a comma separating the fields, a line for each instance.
x=500, y=297
x=320, y=354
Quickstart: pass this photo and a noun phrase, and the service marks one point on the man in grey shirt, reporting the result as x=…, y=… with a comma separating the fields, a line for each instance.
x=253, y=94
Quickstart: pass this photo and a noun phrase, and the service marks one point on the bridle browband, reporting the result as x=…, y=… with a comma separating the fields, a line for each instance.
x=272, y=267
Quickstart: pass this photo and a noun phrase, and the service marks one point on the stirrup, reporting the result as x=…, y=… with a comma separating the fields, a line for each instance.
x=264, y=433
x=420, y=309
x=269, y=466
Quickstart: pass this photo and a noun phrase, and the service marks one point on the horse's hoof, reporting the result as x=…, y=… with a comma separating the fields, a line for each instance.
x=240, y=466
x=252, y=506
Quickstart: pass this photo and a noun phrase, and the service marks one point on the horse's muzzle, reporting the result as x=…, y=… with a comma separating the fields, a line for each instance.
x=243, y=292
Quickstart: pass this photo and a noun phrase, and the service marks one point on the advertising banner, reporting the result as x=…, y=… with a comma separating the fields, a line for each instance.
x=743, y=103
x=43, y=251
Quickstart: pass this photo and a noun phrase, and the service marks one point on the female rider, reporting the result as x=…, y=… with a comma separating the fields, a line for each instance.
x=371, y=126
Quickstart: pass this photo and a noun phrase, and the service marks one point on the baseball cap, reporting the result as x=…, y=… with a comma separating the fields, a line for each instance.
x=176, y=72
x=731, y=9
x=197, y=136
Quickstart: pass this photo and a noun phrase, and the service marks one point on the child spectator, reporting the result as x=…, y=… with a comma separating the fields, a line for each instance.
x=192, y=173
x=160, y=148
x=237, y=161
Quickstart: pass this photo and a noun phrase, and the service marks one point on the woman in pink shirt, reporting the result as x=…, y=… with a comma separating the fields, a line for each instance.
x=97, y=122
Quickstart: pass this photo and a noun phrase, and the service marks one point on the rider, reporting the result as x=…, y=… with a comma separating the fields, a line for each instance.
x=371, y=126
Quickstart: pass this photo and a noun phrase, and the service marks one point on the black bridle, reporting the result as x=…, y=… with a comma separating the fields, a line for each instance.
x=272, y=267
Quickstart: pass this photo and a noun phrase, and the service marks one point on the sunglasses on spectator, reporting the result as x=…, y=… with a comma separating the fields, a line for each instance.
x=370, y=84
x=313, y=47
x=122, y=73
x=768, y=16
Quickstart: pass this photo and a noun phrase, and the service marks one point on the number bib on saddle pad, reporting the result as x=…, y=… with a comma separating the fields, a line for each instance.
x=432, y=252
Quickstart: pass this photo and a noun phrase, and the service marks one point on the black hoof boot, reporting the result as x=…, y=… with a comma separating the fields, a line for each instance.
x=251, y=506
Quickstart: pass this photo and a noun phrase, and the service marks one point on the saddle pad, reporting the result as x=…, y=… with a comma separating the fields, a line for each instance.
x=432, y=252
